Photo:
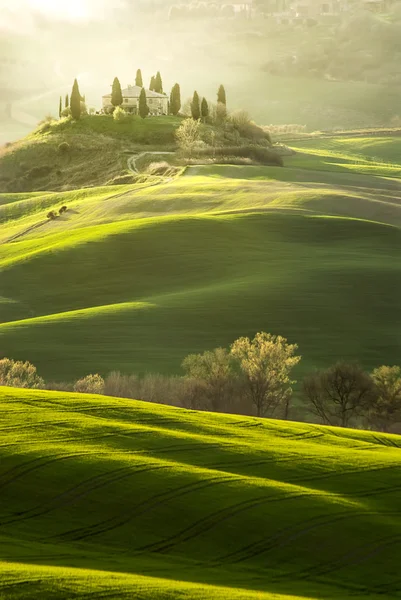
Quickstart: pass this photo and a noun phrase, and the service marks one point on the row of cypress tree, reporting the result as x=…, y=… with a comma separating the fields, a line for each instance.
x=199, y=109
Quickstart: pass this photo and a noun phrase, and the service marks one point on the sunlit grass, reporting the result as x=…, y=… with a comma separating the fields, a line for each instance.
x=120, y=498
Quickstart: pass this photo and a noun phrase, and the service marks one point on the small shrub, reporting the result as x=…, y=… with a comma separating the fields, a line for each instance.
x=120, y=115
x=91, y=384
x=64, y=148
x=63, y=209
x=66, y=112
x=19, y=374
x=51, y=215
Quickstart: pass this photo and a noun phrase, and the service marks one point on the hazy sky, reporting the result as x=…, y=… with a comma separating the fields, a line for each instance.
x=18, y=14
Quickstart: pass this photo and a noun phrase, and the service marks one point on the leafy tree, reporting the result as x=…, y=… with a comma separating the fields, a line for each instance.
x=339, y=394
x=139, y=79
x=19, y=374
x=212, y=373
x=116, y=93
x=91, y=384
x=75, y=101
x=152, y=85
x=175, y=100
x=386, y=407
x=221, y=96
x=195, y=107
x=188, y=134
x=67, y=101
x=266, y=363
x=158, y=83
x=143, y=105
x=60, y=107
x=204, y=108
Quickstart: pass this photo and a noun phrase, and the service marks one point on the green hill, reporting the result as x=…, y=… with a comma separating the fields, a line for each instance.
x=134, y=278
x=108, y=498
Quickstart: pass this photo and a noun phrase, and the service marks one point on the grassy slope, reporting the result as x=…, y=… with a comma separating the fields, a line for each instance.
x=156, y=502
x=96, y=155
x=136, y=278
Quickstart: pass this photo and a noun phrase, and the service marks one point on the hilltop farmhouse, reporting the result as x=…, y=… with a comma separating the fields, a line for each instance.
x=157, y=103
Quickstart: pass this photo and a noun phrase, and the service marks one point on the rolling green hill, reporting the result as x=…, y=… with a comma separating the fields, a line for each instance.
x=107, y=498
x=134, y=278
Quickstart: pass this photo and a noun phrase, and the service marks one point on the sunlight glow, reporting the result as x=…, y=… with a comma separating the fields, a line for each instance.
x=73, y=9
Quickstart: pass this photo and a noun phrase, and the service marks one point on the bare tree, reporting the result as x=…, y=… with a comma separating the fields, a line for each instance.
x=386, y=407
x=266, y=363
x=339, y=394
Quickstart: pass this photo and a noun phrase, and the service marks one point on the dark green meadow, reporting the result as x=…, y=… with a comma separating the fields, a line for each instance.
x=108, y=498
x=135, y=277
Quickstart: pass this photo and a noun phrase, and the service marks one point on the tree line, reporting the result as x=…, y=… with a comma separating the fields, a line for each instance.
x=74, y=105
x=253, y=377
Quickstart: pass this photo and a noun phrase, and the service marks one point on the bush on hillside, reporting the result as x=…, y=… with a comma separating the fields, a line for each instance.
x=52, y=215
x=19, y=374
x=91, y=384
x=66, y=112
x=119, y=115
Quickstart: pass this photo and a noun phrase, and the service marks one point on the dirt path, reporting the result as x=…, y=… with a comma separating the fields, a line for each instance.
x=132, y=161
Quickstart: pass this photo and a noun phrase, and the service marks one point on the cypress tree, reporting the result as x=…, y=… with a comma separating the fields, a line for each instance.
x=60, y=107
x=195, y=107
x=175, y=100
x=116, y=93
x=152, y=85
x=221, y=95
x=67, y=101
x=204, y=108
x=75, y=101
x=138, y=79
x=158, y=83
x=143, y=106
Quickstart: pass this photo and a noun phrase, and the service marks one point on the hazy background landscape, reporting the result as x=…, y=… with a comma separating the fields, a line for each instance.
x=333, y=74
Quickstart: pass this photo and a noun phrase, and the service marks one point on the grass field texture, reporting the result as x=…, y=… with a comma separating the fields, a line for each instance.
x=107, y=498
x=134, y=278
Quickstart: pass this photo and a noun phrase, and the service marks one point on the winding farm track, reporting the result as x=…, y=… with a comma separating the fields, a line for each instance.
x=133, y=160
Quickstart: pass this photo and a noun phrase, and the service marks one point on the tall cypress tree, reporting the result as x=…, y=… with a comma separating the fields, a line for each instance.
x=175, y=100
x=158, y=83
x=221, y=95
x=60, y=107
x=138, y=79
x=67, y=101
x=116, y=93
x=143, y=105
x=152, y=85
x=195, y=107
x=204, y=108
x=75, y=101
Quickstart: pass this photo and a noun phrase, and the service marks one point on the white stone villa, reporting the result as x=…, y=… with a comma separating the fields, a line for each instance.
x=158, y=103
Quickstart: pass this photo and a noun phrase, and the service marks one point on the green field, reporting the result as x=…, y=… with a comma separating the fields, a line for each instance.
x=134, y=278
x=108, y=498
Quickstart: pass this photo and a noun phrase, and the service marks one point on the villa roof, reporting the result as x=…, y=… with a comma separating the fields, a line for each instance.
x=133, y=91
